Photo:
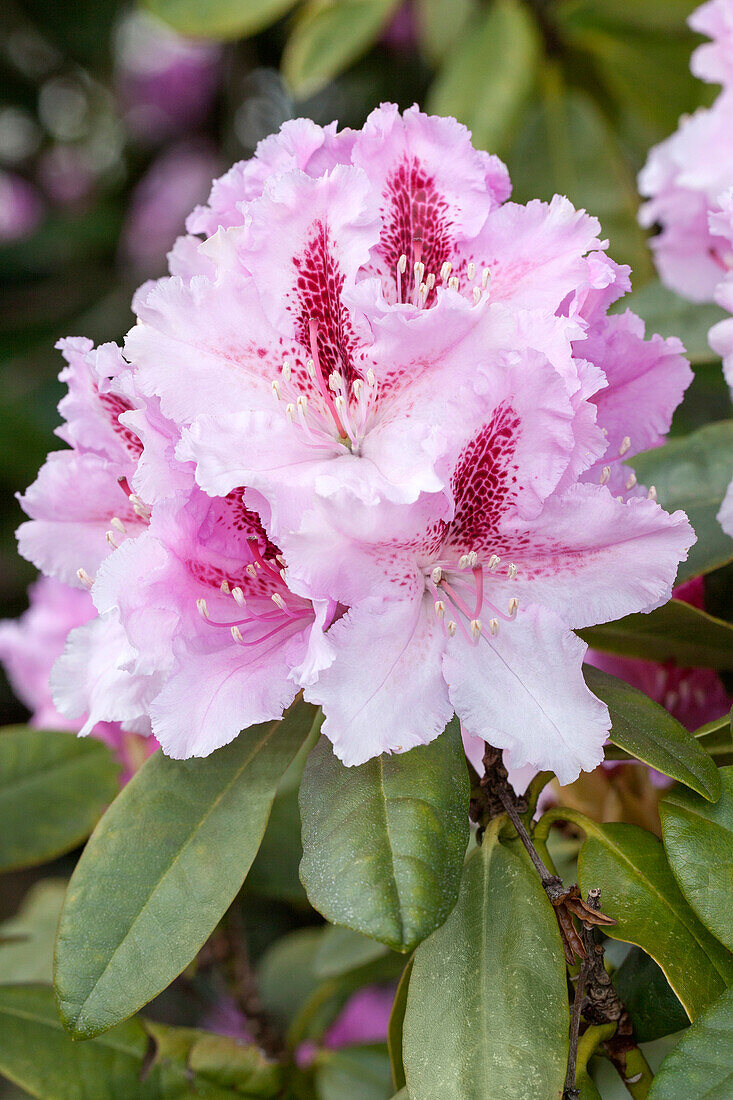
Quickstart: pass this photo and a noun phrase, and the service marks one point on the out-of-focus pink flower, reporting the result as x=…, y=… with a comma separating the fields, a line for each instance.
x=21, y=207
x=713, y=61
x=165, y=83
x=29, y=647
x=65, y=174
x=377, y=422
x=363, y=1019
x=401, y=31
x=176, y=181
x=694, y=696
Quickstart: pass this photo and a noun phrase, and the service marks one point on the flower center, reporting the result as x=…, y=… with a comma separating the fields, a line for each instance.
x=460, y=598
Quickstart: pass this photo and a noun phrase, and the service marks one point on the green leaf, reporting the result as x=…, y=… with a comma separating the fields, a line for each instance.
x=489, y=74
x=327, y=37
x=274, y=873
x=640, y=892
x=693, y=474
x=670, y=315
x=396, y=1028
x=566, y=146
x=217, y=1059
x=219, y=18
x=26, y=941
x=37, y=1054
x=487, y=1009
x=171, y=853
x=340, y=950
x=383, y=843
x=359, y=1071
x=701, y=1064
x=647, y=731
x=698, y=838
x=675, y=632
x=53, y=789
x=654, y=1009
x=441, y=25
x=286, y=979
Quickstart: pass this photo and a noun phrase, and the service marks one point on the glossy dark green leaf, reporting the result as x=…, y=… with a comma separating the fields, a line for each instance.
x=675, y=632
x=54, y=787
x=647, y=731
x=698, y=838
x=487, y=1009
x=26, y=941
x=37, y=1054
x=358, y=1071
x=171, y=853
x=327, y=37
x=701, y=1065
x=219, y=18
x=654, y=1009
x=238, y=1068
x=489, y=74
x=693, y=473
x=383, y=843
x=274, y=873
x=396, y=1028
x=640, y=892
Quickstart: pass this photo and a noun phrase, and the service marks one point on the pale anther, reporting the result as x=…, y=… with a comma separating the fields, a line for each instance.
x=476, y=628
x=476, y=295
x=225, y=587
x=402, y=264
x=290, y=410
x=285, y=370
x=419, y=270
x=203, y=609
x=463, y=562
x=335, y=382
x=485, y=277
x=451, y=628
x=512, y=571
x=445, y=269
x=276, y=389
x=371, y=377
x=84, y=577
x=110, y=537
x=251, y=571
x=310, y=366
x=625, y=445
x=439, y=608
x=430, y=281
x=236, y=634
x=357, y=387
x=493, y=627
x=278, y=600
x=605, y=475
x=494, y=562
x=118, y=525
x=513, y=605
x=453, y=282
x=471, y=271
x=238, y=596
x=631, y=481
x=652, y=494
x=472, y=559
x=437, y=575
x=302, y=402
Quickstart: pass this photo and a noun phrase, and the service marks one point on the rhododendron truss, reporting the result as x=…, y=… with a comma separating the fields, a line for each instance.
x=373, y=435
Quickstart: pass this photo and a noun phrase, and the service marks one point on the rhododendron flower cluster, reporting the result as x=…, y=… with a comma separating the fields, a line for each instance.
x=689, y=182
x=370, y=440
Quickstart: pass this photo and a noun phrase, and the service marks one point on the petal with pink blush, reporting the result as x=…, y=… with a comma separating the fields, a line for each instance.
x=725, y=515
x=384, y=691
x=523, y=691
x=214, y=691
x=592, y=558
x=71, y=504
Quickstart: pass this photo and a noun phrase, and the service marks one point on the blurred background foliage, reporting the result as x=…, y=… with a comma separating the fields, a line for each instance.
x=111, y=127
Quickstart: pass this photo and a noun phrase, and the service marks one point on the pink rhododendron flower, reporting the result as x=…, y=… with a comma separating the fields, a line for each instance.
x=375, y=428
x=694, y=696
x=30, y=645
x=713, y=61
x=21, y=207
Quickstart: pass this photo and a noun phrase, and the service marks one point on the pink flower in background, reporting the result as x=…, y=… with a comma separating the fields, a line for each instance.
x=177, y=180
x=371, y=437
x=21, y=207
x=30, y=645
x=165, y=83
x=713, y=61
